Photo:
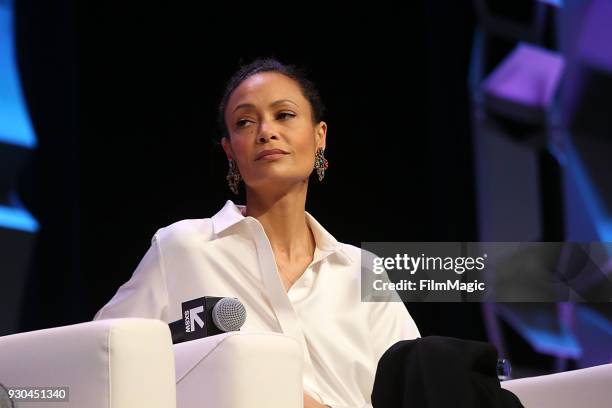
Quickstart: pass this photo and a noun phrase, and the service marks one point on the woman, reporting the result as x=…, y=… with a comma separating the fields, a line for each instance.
x=288, y=271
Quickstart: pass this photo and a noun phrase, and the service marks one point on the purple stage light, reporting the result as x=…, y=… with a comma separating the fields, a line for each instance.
x=596, y=34
x=528, y=77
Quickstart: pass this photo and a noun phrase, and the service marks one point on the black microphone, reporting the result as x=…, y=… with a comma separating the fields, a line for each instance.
x=208, y=316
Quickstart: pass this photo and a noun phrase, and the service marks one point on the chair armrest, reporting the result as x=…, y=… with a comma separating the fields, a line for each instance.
x=588, y=387
x=114, y=363
x=239, y=369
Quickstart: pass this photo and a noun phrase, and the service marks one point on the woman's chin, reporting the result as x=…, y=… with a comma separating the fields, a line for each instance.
x=278, y=180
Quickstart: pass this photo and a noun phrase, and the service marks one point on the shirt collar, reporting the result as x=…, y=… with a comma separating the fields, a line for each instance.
x=232, y=214
x=227, y=216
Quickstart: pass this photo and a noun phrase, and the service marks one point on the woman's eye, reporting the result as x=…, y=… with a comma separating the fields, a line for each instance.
x=285, y=114
x=282, y=115
x=241, y=123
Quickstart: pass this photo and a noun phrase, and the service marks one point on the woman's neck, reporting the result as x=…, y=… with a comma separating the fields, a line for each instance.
x=283, y=218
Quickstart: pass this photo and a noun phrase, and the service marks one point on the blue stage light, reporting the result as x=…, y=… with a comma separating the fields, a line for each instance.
x=17, y=218
x=15, y=125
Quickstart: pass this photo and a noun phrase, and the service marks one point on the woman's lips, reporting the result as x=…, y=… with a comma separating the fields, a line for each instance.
x=270, y=154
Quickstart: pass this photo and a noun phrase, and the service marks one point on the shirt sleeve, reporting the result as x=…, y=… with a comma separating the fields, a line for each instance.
x=145, y=294
x=389, y=320
x=390, y=323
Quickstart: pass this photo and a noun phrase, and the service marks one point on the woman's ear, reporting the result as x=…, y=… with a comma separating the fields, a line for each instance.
x=227, y=148
x=321, y=134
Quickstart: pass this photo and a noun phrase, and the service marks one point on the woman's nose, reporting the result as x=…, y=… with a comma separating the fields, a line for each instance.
x=266, y=132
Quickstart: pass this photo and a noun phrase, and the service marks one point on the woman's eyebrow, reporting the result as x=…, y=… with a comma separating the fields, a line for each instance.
x=250, y=105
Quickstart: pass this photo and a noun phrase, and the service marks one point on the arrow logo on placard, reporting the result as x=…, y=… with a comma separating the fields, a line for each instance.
x=194, y=317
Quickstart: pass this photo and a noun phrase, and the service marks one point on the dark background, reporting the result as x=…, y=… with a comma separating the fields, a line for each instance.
x=124, y=100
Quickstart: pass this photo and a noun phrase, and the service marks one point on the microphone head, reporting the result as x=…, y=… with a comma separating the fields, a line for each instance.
x=229, y=314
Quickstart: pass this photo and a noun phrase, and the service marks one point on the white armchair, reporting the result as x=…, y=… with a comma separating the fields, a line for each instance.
x=115, y=363
x=586, y=388
x=131, y=363
x=237, y=370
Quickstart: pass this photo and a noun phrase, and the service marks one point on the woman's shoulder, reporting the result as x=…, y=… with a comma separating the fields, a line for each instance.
x=185, y=231
x=352, y=251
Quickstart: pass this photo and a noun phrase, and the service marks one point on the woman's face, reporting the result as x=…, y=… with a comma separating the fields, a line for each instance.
x=267, y=111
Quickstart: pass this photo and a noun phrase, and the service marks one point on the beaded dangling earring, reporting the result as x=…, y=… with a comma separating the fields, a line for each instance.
x=233, y=177
x=321, y=163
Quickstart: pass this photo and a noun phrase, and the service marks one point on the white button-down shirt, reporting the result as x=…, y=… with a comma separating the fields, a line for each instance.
x=229, y=255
